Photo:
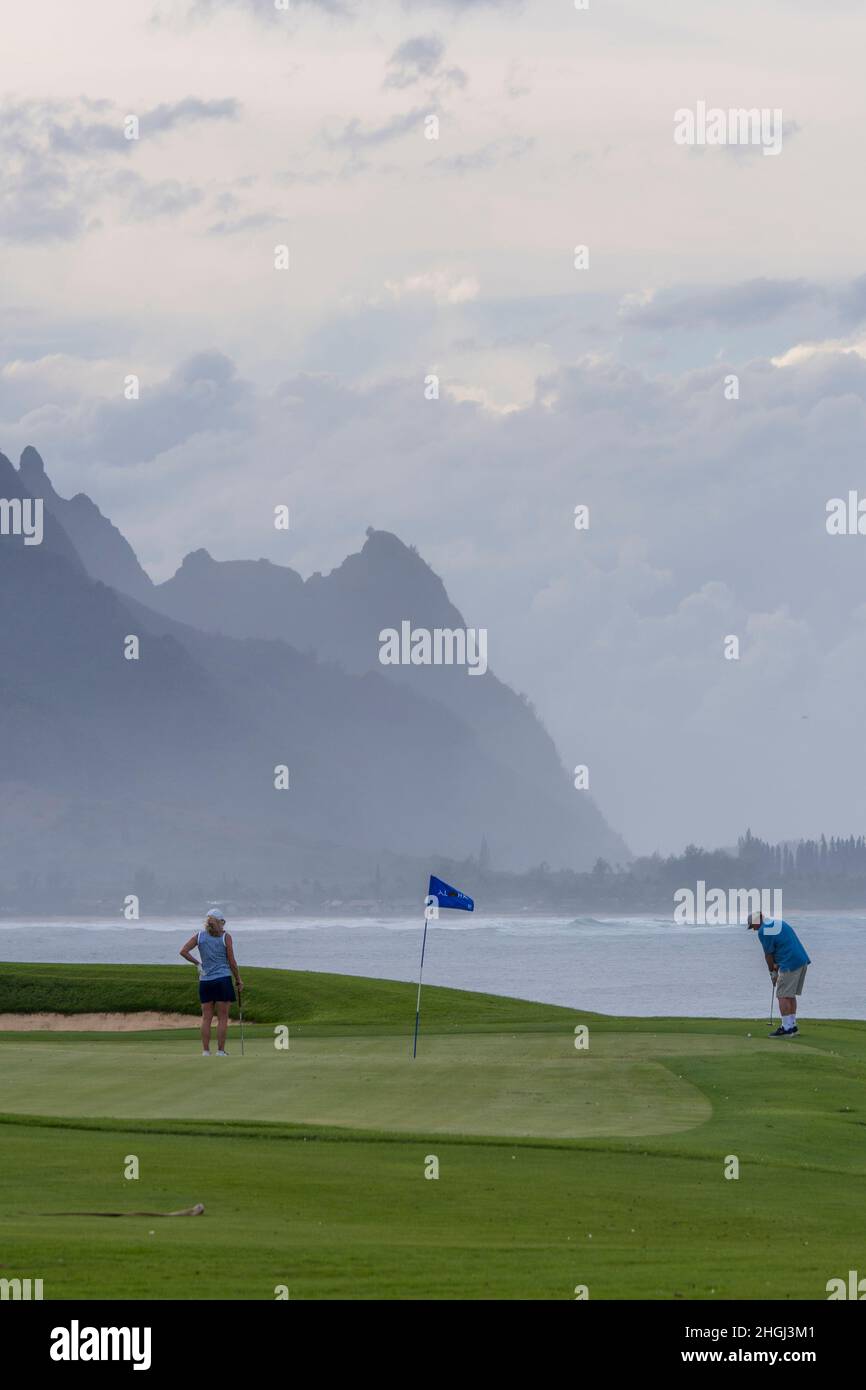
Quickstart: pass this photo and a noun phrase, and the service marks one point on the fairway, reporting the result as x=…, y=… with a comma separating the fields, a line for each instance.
x=555, y=1165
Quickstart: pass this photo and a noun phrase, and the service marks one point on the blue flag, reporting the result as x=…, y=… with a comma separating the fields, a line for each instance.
x=446, y=896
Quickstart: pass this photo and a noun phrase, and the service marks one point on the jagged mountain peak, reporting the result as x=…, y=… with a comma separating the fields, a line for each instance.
x=197, y=560
x=101, y=548
x=31, y=463
x=386, y=564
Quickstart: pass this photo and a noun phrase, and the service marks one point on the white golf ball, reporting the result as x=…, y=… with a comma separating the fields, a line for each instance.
x=748, y=1035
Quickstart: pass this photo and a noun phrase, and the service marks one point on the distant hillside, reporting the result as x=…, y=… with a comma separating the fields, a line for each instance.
x=163, y=767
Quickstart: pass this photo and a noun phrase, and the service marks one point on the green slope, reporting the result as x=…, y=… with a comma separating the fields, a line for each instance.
x=300, y=998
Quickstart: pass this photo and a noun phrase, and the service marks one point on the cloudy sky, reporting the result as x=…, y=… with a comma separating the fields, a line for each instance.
x=409, y=257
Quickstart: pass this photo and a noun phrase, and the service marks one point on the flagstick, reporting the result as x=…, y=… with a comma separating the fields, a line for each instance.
x=418, y=1003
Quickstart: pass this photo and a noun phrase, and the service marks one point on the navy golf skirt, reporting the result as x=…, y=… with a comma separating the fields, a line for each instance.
x=219, y=991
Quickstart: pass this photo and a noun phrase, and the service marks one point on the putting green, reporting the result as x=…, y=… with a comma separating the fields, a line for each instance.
x=515, y=1085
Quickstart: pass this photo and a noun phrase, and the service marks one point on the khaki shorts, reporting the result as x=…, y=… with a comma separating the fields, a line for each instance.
x=791, y=982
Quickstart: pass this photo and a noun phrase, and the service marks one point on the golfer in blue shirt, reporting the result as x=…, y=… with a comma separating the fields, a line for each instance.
x=787, y=962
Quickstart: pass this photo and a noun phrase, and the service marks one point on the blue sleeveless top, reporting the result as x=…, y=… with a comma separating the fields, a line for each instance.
x=214, y=957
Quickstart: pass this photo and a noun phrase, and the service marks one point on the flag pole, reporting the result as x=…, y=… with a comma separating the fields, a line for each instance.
x=439, y=894
x=418, y=1001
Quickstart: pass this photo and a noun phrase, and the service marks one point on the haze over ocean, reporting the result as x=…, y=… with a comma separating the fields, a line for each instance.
x=643, y=966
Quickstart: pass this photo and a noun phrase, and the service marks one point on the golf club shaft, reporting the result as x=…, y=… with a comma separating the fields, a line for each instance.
x=772, y=997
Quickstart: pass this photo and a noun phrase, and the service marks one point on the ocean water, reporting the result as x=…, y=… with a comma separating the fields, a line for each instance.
x=617, y=965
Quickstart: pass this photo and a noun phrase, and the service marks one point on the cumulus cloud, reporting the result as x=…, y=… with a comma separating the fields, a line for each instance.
x=248, y=222
x=443, y=286
x=357, y=136
x=464, y=6
x=413, y=59
x=723, y=306
x=203, y=395
x=74, y=134
x=264, y=10
x=145, y=200
x=804, y=352
x=61, y=159
x=420, y=58
x=785, y=320
x=488, y=156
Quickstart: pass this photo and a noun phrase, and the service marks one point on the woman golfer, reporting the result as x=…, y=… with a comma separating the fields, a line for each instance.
x=216, y=968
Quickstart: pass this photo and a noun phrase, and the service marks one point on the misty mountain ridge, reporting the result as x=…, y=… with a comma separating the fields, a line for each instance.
x=167, y=763
x=340, y=616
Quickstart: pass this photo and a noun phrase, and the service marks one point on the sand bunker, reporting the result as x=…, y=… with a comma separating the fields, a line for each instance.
x=94, y=1023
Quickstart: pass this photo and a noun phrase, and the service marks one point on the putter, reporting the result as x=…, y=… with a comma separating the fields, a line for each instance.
x=241, y=1009
x=772, y=997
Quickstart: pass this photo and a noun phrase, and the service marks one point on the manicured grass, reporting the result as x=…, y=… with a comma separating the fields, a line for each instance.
x=557, y=1166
